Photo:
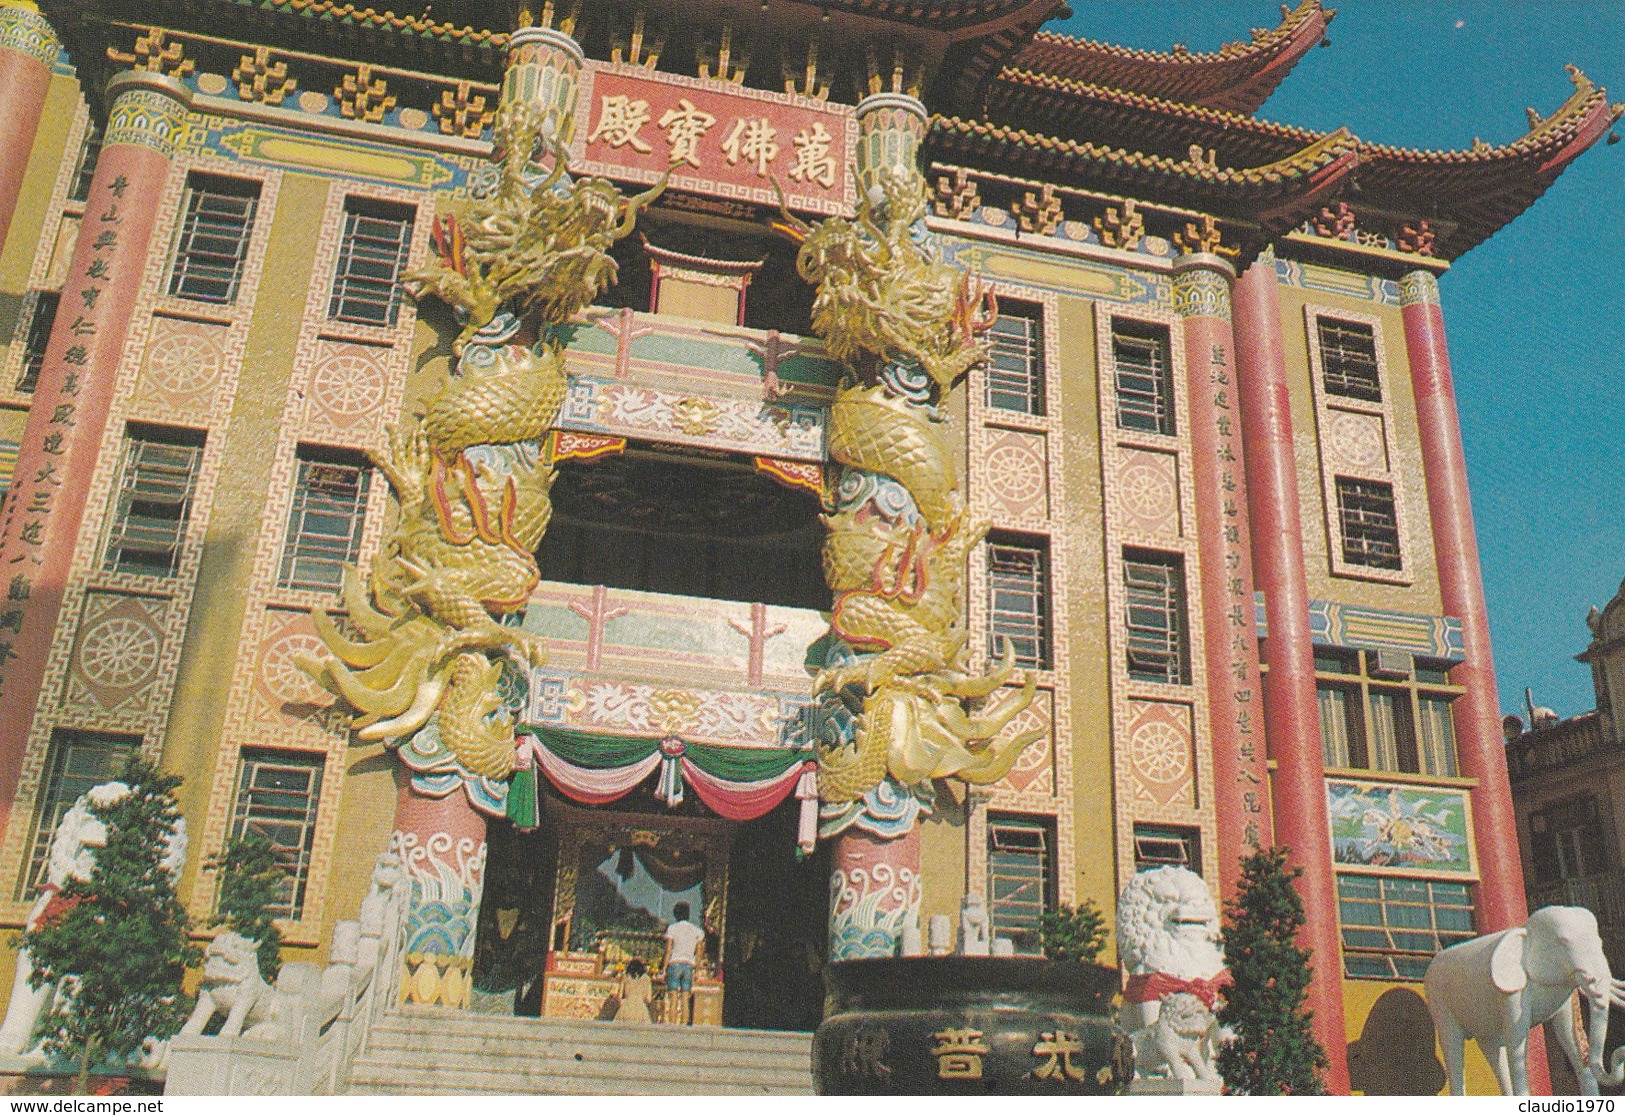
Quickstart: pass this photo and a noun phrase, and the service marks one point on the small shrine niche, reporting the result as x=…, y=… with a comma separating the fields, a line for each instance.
x=699, y=287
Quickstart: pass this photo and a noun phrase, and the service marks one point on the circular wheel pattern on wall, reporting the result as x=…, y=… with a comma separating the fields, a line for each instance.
x=119, y=652
x=181, y=362
x=283, y=678
x=347, y=385
x=1357, y=441
x=1159, y=752
x=1147, y=492
x=1015, y=474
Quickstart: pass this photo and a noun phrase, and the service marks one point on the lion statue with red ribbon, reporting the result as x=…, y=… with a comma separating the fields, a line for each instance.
x=1168, y=942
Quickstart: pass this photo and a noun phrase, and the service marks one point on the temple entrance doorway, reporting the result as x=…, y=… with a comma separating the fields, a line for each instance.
x=569, y=905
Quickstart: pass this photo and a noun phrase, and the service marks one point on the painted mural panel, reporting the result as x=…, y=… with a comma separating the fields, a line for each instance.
x=1401, y=830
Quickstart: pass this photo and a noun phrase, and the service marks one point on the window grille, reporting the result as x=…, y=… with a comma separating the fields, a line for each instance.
x=1370, y=525
x=84, y=170
x=324, y=526
x=219, y=217
x=372, y=255
x=1167, y=846
x=77, y=761
x=1393, y=927
x=1348, y=360
x=154, y=501
x=1015, y=378
x=278, y=794
x=1018, y=602
x=1156, y=618
x=39, y=335
x=1019, y=883
x=1145, y=390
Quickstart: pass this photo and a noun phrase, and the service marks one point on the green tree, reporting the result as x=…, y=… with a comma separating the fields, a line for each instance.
x=251, y=880
x=1074, y=934
x=1274, y=1052
x=122, y=935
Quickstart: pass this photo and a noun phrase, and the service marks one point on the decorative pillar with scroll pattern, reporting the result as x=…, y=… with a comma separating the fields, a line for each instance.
x=28, y=49
x=75, y=391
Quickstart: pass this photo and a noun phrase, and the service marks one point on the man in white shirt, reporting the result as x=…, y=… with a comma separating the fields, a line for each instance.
x=685, y=943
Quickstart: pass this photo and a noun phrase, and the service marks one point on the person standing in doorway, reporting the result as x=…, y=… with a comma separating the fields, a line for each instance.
x=685, y=942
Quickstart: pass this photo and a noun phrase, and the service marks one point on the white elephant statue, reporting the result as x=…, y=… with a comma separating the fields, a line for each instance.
x=79, y=834
x=1496, y=988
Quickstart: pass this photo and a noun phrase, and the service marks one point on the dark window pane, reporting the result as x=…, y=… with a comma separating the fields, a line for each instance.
x=1155, y=609
x=1393, y=927
x=277, y=797
x=324, y=524
x=372, y=255
x=39, y=335
x=1018, y=602
x=1145, y=390
x=1348, y=359
x=1015, y=378
x=219, y=216
x=1019, y=884
x=77, y=762
x=154, y=502
x=1365, y=508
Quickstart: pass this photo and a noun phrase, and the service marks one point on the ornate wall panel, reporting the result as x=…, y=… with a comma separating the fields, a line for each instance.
x=1161, y=753
x=1017, y=471
x=117, y=657
x=348, y=383
x=1146, y=494
x=184, y=369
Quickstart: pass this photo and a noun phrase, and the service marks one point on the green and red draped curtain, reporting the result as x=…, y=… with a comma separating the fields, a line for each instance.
x=739, y=783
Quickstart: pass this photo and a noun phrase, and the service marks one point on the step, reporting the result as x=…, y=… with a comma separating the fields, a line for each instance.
x=576, y=1077
x=412, y=1019
x=594, y=1049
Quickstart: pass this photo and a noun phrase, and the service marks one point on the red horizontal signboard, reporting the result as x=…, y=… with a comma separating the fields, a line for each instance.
x=727, y=141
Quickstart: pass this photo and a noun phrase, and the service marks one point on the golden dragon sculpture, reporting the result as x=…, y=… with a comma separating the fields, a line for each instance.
x=468, y=474
x=898, y=540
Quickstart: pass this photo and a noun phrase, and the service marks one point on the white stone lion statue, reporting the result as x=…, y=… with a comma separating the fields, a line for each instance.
x=72, y=856
x=231, y=985
x=1168, y=941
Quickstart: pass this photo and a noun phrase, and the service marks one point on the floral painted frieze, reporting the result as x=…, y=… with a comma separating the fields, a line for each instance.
x=709, y=421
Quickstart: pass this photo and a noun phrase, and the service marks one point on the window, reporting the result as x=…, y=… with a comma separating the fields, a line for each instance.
x=1015, y=378
x=76, y=762
x=1145, y=389
x=1365, y=508
x=90, y=151
x=372, y=255
x=277, y=797
x=154, y=500
x=1374, y=716
x=1568, y=840
x=1167, y=846
x=1392, y=927
x=218, y=218
x=1348, y=360
x=1019, y=884
x=1018, y=600
x=39, y=335
x=1156, y=617
x=324, y=526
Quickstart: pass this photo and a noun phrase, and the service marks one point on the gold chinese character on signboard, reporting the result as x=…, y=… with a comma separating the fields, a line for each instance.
x=684, y=125
x=813, y=160
x=959, y=1053
x=753, y=141
x=619, y=122
x=1059, y=1048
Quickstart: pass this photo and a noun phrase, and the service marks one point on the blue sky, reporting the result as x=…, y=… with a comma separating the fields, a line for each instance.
x=1535, y=315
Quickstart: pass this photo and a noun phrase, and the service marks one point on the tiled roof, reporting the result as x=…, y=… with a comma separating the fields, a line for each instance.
x=1238, y=76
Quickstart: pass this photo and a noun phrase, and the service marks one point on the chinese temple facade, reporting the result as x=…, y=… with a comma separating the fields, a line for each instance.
x=482, y=436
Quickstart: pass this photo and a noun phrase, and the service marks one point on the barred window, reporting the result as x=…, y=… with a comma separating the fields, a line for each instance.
x=156, y=484
x=372, y=255
x=1145, y=389
x=1393, y=927
x=76, y=762
x=39, y=335
x=218, y=219
x=1167, y=846
x=1020, y=883
x=324, y=525
x=84, y=170
x=1365, y=508
x=278, y=794
x=1348, y=360
x=1015, y=378
x=1157, y=626
x=1018, y=600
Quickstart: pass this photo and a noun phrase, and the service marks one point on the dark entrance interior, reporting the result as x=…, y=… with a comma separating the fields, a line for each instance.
x=662, y=523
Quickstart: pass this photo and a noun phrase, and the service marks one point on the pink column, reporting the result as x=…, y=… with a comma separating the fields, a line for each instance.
x=441, y=844
x=1291, y=717
x=1480, y=747
x=1241, y=791
x=28, y=50
x=874, y=892
x=66, y=421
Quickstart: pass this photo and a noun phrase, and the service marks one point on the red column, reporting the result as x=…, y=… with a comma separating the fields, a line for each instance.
x=1480, y=746
x=1291, y=717
x=28, y=49
x=69, y=411
x=1240, y=785
x=441, y=844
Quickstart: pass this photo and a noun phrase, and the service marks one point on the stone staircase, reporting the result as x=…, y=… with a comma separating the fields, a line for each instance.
x=426, y=1051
